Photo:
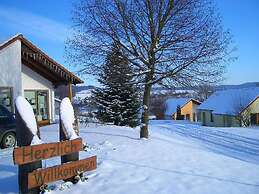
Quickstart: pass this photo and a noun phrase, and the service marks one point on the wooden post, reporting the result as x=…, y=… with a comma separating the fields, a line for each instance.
x=68, y=157
x=24, y=138
x=70, y=91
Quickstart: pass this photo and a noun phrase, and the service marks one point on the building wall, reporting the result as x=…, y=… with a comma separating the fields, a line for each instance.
x=218, y=120
x=195, y=112
x=189, y=109
x=253, y=108
x=33, y=81
x=10, y=64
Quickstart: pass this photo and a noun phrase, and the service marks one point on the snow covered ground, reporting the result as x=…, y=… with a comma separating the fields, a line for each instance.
x=179, y=157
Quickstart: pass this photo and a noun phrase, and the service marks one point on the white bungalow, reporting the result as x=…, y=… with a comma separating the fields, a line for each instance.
x=26, y=70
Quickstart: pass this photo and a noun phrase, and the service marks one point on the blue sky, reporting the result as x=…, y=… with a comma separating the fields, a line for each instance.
x=46, y=23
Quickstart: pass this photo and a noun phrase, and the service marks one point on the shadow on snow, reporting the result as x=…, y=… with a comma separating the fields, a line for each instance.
x=186, y=173
x=229, y=144
x=7, y=185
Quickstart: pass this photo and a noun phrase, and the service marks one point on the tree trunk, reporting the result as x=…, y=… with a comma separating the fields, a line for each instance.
x=144, y=120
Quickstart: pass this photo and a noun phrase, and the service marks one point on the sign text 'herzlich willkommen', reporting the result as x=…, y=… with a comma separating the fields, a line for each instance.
x=61, y=172
x=27, y=154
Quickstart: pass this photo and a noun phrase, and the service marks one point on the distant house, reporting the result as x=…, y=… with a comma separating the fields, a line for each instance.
x=231, y=108
x=29, y=72
x=188, y=108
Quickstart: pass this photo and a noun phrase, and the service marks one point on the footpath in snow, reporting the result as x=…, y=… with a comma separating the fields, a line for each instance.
x=178, y=158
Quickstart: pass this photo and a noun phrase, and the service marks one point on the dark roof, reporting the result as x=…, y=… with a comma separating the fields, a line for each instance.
x=36, y=59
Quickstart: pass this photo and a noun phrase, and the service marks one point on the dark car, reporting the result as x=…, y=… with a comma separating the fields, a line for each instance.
x=7, y=128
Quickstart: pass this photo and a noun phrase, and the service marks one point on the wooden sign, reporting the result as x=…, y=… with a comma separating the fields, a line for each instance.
x=29, y=158
x=61, y=172
x=28, y=154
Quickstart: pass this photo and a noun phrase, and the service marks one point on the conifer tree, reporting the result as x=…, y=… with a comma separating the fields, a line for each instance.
x=178, y=113
x=117, y=100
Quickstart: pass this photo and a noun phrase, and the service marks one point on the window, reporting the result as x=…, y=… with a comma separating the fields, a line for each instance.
x=204, y=118
x=254, y=117
x=39, y=102
x=211, y=117
x=6, y=98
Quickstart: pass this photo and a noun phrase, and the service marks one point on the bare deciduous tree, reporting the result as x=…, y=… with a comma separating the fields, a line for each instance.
x=177, y=42
x=241, y=110
x=204, y=91
x=157, y=105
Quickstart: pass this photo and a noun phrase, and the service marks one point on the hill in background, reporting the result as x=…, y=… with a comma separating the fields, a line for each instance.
x=85, y=91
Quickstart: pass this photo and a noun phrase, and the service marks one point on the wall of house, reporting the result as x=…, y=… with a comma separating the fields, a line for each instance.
x=195, y=112
x=219, y=120
x=10, y=63
x=33, y=81
x=254, y=107
x=189, y=108
x=251, y=109
x=205, y=118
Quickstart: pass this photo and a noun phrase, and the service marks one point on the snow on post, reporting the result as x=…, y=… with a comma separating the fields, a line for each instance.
x=26, y=112
x=66, y=131
x=27, y=134
x=67, y=117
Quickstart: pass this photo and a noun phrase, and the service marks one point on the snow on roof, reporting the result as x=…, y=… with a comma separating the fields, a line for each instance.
x=230, y=101
x=172, y=103
x=9, y=39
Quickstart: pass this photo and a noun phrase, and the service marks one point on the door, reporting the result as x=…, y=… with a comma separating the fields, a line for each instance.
x=203, y=118
x=39, y=102
x=254, y=119
x=42, y=97
x=187, y=117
